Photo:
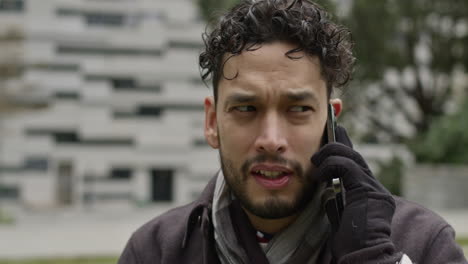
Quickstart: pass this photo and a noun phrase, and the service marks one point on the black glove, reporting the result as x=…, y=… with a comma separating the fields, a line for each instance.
x=363, y=235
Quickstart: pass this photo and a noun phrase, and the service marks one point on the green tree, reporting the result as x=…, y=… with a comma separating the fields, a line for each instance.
x=446, y=140
x=10, y=65
x=409, y=54
x=390, y=174
x=212, y=9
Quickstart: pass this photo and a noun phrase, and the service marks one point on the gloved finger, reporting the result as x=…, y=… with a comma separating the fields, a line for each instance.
x=338, y=149
x=352, y=175
x=356, y=181
x=342, y=136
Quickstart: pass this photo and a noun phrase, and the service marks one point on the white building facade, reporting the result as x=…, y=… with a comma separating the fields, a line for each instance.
x=123, y=122
x=120, y=119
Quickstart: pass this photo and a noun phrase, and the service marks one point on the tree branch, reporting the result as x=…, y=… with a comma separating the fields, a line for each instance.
x=401, y=107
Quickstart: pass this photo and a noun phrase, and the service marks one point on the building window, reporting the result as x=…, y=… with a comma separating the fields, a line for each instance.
x=89, y=197
x=65, y=186
x=184, y=107
x=123, y=83
x=103, y=19
x=36, y=163
x=131, y=84
x=9, y=192
x=200, y=142
x=108, y=142
x=123, y=114
x=66, y=137
x=150, y=88
x=67, y=12
x=55, y=67
x=121, y=174
x=161, y=184
x=67, y=95
x=108, y=51
x=149, y=111
x=11, y=169
x=38, y=132
x=11, y=5
x=96, y=78
x=185, y=45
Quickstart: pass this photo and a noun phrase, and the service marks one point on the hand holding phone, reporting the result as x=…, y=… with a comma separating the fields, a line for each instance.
x=365, y=221
x=335, y=192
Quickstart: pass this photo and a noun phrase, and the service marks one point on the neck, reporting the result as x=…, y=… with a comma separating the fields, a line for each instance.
x=270, y=226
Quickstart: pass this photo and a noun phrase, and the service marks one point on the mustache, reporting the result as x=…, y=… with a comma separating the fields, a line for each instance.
x=294, y=165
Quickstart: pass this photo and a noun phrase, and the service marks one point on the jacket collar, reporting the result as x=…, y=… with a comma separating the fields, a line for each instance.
x=200, y=214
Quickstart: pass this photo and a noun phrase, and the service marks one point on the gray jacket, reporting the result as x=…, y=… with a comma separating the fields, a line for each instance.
x=185, y=235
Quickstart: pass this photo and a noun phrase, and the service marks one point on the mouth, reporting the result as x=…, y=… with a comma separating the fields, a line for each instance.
x=271, y=176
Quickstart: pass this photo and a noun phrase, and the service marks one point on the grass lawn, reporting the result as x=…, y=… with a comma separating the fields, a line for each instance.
x=102, y=260
x=463, y=241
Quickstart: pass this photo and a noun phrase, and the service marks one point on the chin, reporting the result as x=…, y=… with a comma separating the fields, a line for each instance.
x=271, y=206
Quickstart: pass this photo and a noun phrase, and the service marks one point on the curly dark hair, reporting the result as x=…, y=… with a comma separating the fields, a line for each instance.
x=300, y=22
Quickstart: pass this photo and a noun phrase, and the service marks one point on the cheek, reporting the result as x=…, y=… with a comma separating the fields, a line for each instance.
x=234, y=139
x=307, y=140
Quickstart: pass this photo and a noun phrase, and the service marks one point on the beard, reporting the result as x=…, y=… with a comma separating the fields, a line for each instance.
x=273, y=207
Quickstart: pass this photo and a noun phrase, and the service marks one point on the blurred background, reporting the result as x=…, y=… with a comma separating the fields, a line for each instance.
x=101, y=114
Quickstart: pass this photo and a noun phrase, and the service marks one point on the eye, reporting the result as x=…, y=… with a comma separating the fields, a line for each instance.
x=244, y=108
x=300, y=109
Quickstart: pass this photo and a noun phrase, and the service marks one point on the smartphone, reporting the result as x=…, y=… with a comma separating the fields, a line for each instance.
x=335, y=192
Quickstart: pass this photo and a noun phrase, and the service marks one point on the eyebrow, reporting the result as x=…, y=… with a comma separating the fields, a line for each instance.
x=291, y=95
x=241, y=98
x=301, y=96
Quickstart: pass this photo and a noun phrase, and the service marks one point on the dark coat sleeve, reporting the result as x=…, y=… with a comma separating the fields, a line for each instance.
x=424, y=236
x=159, y=241
x=444, y=249
x=129, y=256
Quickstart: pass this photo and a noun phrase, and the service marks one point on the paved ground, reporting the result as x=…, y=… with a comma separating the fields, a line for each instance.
x=97, y=233
x=68, y=233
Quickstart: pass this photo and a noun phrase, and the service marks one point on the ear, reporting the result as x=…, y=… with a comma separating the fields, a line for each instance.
x=337, y=106
x=211, y=124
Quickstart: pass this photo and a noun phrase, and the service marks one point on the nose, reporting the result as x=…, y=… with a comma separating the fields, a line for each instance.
x=270, y=138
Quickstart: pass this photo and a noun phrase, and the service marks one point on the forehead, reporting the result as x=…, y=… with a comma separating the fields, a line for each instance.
x=268, y=68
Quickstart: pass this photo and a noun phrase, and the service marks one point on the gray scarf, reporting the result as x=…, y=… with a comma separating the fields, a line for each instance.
x=301, y=242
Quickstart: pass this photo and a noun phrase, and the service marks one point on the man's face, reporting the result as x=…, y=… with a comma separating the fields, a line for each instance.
x=267, y=123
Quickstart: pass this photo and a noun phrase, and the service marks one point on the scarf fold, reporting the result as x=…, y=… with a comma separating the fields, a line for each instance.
x=301, y=242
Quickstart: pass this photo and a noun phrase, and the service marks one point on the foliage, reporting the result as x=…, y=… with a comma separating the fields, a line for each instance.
x=446, y=140
x=5, y=218
x=390, y=175
x=211, y=9
x=408, y=53
x=463, y=241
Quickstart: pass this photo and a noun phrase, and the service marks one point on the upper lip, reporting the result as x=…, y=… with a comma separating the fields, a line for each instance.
x=271, y=167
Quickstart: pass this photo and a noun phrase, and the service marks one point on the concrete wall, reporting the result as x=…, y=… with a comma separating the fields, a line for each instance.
x=74, y=68
x=437, y=187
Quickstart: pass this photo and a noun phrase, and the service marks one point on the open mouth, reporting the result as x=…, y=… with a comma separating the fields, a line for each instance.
x=269, y=174
x=272, y=177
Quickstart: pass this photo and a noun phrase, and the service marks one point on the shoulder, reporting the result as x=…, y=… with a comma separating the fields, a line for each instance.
x=161, y=236
x=170, y=225
x=410, y=212
x=418, y=231
x=413, y=221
